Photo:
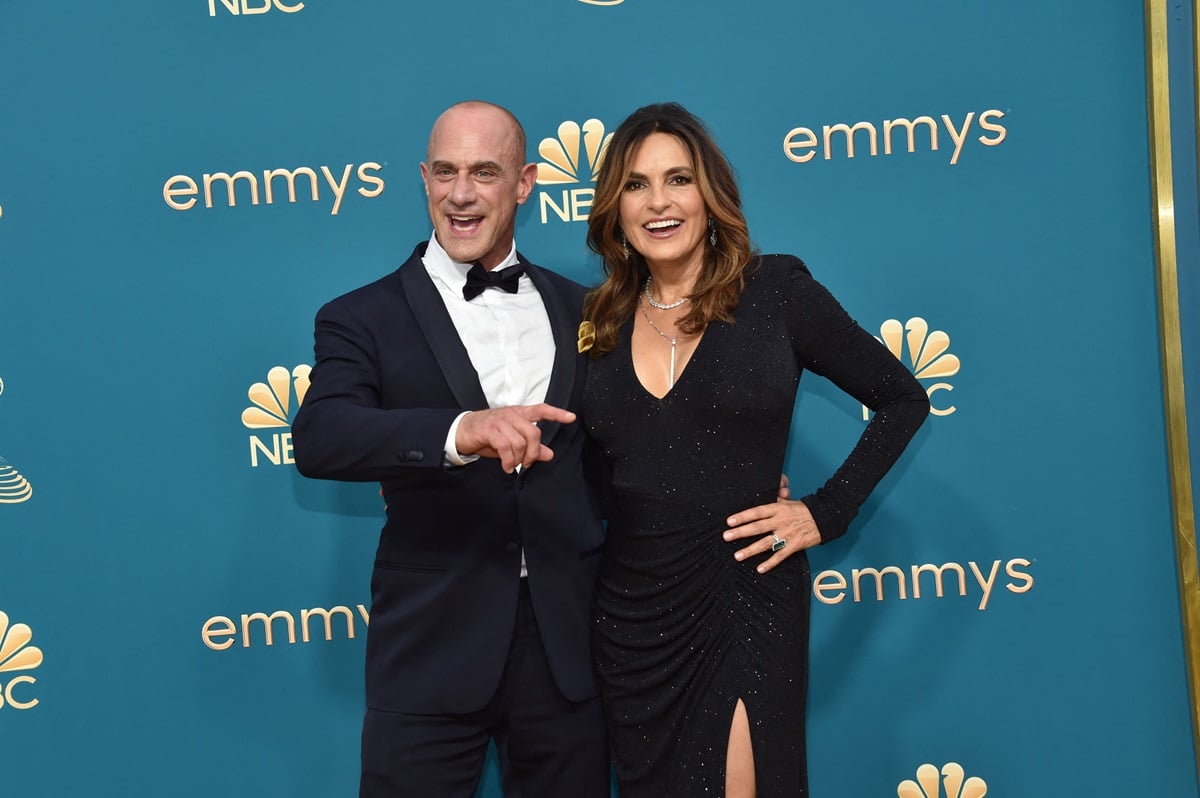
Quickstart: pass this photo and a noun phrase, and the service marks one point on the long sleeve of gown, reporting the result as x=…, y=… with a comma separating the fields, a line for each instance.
x=830, y=343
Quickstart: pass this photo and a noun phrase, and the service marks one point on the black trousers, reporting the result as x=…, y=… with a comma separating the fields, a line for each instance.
x=548, y=747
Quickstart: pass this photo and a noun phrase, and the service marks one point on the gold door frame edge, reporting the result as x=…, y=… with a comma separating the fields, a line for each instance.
x=1171, y=342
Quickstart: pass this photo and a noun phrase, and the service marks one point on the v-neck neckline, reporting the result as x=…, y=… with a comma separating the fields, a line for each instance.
x=678, y=376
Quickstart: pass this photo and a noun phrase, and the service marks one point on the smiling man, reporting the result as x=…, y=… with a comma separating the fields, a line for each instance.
x=451, y=382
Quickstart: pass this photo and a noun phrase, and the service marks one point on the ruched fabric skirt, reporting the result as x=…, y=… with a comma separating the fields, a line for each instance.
x=681, y=632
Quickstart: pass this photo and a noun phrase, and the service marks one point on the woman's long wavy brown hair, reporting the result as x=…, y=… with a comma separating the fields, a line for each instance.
x=719, y=286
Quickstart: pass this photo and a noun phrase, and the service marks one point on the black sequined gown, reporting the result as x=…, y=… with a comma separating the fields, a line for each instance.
x=681, y=629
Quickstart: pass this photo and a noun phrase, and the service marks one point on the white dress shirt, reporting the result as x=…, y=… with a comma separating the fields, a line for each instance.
x=507, y=337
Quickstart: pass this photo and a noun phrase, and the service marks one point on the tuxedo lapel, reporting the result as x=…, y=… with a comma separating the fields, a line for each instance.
x=430, y=312
x=563, y=325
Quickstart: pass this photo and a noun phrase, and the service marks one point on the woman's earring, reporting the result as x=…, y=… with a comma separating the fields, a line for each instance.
x=624, y=245
x=712, y=232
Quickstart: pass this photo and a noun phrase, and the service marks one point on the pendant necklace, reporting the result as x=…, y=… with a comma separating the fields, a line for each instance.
x=672, y=341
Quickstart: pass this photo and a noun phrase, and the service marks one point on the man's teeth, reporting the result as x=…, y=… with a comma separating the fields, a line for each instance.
x=663, y=224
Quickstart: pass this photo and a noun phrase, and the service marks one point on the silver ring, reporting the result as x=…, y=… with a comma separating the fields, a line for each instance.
x=779, y=542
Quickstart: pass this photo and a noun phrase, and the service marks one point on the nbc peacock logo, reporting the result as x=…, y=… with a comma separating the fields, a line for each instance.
x=14, y=488
x=564, y=161
x=16, y=656
x=952, y=775
x=271, y=410
x=928, y=357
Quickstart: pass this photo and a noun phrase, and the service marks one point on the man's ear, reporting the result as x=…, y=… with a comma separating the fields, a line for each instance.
x=528, y=178
x=425, y=176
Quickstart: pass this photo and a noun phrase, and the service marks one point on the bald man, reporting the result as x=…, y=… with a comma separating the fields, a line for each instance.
x=451, y=382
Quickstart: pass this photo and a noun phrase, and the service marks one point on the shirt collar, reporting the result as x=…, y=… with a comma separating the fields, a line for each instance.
x=451, y=272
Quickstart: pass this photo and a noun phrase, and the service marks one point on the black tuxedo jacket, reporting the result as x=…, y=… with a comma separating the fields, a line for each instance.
x=390, y=377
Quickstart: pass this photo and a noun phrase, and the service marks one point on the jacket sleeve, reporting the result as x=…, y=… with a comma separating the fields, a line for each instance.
x=342, y=430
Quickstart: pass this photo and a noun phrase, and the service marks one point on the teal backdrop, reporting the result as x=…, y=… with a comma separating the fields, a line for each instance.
x=182, y=614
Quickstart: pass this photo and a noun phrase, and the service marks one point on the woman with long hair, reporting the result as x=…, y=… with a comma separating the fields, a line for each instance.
x=702, y=609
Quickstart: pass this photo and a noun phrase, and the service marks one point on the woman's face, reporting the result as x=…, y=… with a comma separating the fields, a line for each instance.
x=661, y=210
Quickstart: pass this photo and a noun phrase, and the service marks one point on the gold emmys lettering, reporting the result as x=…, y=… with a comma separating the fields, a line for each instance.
x=830, y=586
x=181, y=192
x=801, y=144
x=220, y=631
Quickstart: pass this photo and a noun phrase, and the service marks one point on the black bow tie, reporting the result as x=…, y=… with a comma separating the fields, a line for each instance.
x=479, y=278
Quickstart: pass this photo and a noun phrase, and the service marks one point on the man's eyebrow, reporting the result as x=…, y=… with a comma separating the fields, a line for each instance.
x=474, y=167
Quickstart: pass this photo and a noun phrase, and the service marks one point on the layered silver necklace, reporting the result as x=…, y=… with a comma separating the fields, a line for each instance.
x=659, y=305
x=672, y=340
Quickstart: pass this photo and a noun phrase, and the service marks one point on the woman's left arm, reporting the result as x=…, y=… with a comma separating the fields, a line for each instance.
x=828, y=342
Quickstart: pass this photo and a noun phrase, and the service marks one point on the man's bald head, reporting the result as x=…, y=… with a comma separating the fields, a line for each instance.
x=487, y=113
